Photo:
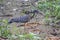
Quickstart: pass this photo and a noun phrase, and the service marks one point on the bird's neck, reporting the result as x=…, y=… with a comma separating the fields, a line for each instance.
x=32, y=15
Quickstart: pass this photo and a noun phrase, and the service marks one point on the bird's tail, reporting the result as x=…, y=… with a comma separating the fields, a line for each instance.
x=9, y=22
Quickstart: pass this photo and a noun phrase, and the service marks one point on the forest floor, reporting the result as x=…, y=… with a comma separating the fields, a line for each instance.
x=13, y=7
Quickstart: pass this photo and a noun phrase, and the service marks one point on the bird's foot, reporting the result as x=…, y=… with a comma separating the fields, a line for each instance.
x=30, y=24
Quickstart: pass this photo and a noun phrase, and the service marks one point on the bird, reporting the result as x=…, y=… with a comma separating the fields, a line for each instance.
x=25, y=18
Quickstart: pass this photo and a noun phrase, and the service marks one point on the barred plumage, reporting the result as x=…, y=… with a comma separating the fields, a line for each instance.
x=25, y=18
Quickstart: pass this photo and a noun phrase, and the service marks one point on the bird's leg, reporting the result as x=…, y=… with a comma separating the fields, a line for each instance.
x=36, y=19
x=25, y=28
x=26, y=24
x=29, y=24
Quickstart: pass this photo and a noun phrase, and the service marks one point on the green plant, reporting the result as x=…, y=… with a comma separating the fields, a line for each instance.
x=4, y=30
x=1, y=1
x=51, y=9
x=5, y=33
x=29, y=36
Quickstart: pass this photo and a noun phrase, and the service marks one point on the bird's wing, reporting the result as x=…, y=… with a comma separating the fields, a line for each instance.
x=24, y=18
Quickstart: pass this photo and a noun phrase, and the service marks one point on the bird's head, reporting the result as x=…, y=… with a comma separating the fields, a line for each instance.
x=35, y=11
x=32, y=13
